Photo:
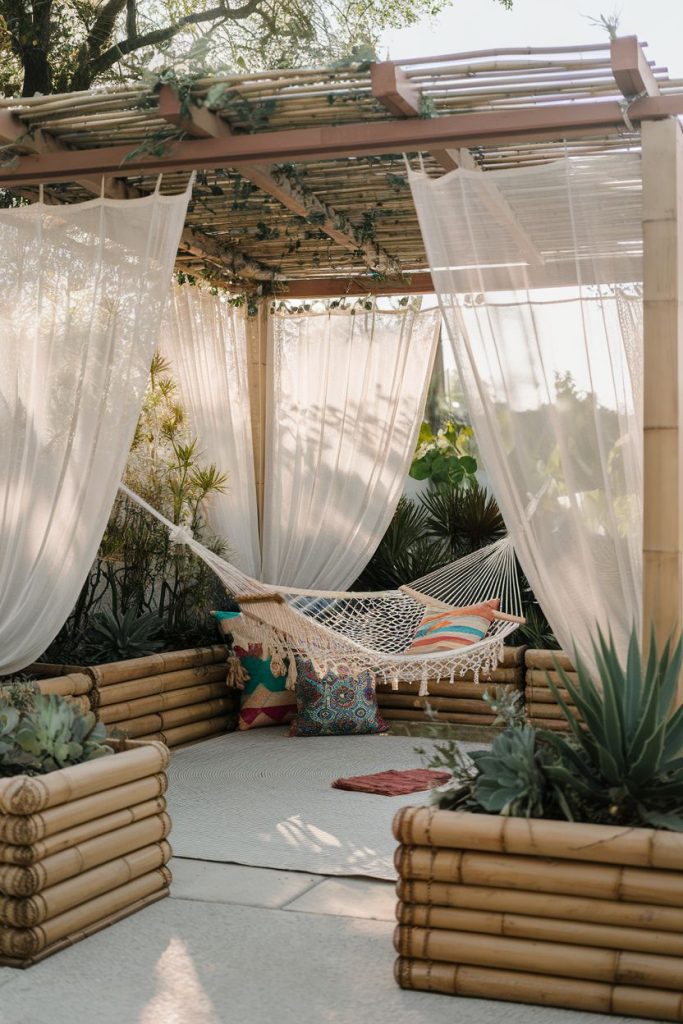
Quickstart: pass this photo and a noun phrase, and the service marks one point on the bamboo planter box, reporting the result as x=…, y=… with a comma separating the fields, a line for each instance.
x=81, y=848
x=585, y=917
x=461, y=702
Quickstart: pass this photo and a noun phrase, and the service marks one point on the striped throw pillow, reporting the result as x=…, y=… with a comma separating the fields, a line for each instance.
x=459, y=627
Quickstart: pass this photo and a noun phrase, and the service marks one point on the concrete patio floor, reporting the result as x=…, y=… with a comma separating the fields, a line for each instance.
x=244, y=945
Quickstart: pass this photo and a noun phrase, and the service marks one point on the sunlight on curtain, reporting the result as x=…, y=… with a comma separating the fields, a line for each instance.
x=346, y=397
x=205, y=340
x=539, y=277
x=84, y=289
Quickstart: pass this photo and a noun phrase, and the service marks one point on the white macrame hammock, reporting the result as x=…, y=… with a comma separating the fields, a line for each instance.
x=368, y=631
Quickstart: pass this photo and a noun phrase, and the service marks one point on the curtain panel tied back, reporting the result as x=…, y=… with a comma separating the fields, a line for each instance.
x=84, y=289
x=539, y=276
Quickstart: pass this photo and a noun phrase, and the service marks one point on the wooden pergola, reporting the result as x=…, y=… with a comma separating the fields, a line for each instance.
x=302, y=193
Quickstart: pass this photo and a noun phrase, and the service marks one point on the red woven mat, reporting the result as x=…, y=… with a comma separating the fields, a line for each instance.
x=393, y=783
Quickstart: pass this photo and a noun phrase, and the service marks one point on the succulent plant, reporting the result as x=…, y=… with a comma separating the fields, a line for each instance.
x=627, y=765
x=115, y=637
x=52, y=735
x=510, y=779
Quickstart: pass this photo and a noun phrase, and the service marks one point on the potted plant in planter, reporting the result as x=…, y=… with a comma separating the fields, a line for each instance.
x=82, y=827
x=551, y=869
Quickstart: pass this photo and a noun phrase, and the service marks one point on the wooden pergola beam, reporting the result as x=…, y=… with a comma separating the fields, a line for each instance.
x=631, y=69
x=571, y=120
x=352, y=287
x=201, y=123
x=392, y=88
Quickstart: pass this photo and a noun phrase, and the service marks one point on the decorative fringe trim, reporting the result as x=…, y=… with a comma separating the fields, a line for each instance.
x=424, y=684
x=237, y=674
x=291, y=674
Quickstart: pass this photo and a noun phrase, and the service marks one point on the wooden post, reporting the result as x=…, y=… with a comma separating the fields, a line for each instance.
x=662, y=143
x=257, y=349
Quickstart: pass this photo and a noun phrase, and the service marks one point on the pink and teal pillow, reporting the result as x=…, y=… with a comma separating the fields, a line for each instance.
x=339, y=704
x=265, y=698
x=459, y=627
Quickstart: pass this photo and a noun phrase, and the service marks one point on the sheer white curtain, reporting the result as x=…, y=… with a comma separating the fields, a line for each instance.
x=84, y=289
x=539, y=277
x=346, y=397
x=205, y=339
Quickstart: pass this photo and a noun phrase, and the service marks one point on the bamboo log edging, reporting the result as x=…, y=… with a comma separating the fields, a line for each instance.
x=81, y=848
x=473, y=897
x=541, y=707
x=460, y=702
x=157, y=664
x=28, y=795
x=25, y=829
x=523, y=926
x=545, y=990
x=599, y=844
x=33, y=853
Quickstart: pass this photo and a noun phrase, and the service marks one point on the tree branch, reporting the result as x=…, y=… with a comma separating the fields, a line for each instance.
x=131, y=19
x=162, y=35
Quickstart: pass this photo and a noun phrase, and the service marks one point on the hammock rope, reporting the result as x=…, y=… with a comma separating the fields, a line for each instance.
x=368, y=630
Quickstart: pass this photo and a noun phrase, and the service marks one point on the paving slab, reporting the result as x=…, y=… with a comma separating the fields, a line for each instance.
x=234, y=883
x=185, y=962
x=349, y=897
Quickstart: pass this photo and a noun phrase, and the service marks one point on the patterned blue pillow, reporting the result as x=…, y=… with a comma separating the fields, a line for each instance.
x=336, y=705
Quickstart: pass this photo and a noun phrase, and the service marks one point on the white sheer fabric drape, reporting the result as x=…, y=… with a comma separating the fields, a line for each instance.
x=84, y=289
x=206, y=343
x=539, y=276
x=346, y=397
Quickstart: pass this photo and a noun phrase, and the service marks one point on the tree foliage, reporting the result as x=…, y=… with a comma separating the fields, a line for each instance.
x=68, y=45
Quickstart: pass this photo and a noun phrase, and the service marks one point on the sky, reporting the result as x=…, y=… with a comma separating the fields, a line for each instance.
x=485, y=24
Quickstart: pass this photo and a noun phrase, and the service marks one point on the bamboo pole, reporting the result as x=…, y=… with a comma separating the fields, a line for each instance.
x=545, y=990
x=257, y=361
x=543, y=929
x=78, y=834
x=554, y=958
x=548, y=660
x=601, y=881
x=509, y=678
x=34, y=910
x=25, y=829
x=26, y=881
x=24, y=795
x=567, y=908
x=136, y=689
x=157, y=664
x=662, y=163
x=196, y=730
x=605, y=844
x=125, y=710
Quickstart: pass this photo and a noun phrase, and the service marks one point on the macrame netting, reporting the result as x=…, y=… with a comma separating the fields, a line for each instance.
x=368, y=631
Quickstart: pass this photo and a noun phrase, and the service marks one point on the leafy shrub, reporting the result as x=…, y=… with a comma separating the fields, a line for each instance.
x=443, y=458
x=51, y=734
x=626, y=768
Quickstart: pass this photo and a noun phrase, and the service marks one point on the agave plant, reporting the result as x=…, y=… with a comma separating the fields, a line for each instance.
x=510, y=778
x=52, y=735
x=627, y=765
x=114, y=637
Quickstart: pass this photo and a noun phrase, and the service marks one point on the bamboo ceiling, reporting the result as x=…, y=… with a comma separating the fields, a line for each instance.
x=336, y=222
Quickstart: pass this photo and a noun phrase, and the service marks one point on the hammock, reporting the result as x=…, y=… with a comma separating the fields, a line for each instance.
x=368, y=631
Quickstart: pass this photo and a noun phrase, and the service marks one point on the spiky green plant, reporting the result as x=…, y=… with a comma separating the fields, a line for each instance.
x=627, y=765
x=53, y=734
x=115, y=637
